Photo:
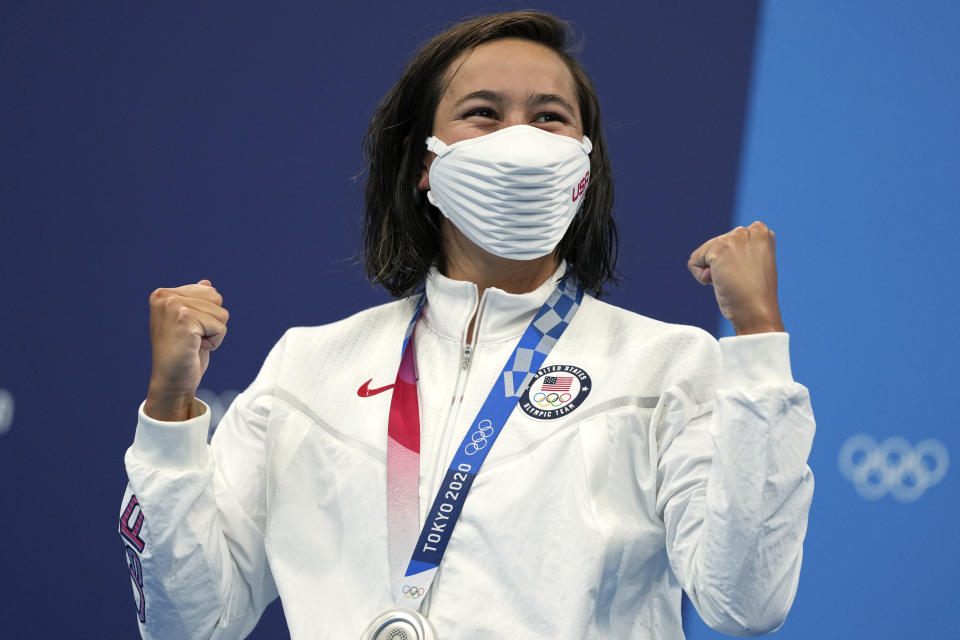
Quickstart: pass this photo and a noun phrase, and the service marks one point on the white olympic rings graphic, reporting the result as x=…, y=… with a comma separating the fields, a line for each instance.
x=893, y=466
x=412, y=592
x=478, y=438
x=552, y=399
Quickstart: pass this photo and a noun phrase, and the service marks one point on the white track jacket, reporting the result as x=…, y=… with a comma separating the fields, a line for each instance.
x=684, y=467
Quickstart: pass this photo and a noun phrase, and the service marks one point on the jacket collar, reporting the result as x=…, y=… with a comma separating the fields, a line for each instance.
x=503, y=316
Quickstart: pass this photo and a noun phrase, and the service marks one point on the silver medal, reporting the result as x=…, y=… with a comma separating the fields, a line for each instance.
x=400, y=624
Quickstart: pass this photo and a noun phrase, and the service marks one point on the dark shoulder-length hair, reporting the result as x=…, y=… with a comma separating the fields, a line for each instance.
x=401, y=229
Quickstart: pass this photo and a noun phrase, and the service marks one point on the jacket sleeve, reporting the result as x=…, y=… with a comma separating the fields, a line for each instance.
x=193, y=519
x=734, y=488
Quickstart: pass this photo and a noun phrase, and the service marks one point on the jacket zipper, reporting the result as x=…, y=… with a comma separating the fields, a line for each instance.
x=439, y=470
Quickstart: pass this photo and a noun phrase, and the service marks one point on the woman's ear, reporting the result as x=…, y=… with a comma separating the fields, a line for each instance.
x=424, y=183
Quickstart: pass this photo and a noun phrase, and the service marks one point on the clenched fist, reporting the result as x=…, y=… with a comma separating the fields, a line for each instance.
x=186, y=324
x=741, y=265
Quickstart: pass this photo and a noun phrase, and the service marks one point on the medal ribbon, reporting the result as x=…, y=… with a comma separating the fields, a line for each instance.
x=403, y=446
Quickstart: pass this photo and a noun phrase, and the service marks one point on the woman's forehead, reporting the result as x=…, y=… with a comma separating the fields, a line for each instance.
x=512, y=67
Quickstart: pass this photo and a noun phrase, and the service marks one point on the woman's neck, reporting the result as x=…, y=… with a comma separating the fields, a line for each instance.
x=466, y=261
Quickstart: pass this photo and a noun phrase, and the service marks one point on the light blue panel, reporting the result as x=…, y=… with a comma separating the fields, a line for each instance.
x=851, y=156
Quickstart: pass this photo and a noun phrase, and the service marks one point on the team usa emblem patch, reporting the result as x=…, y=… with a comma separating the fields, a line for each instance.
x=555, y=391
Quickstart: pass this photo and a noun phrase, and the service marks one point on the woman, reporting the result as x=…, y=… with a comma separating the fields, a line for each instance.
x=633, y=458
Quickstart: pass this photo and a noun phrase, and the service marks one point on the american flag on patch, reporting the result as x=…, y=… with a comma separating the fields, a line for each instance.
x=556, y=384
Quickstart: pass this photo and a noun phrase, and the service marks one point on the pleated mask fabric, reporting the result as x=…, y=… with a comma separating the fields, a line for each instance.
x=513, y=192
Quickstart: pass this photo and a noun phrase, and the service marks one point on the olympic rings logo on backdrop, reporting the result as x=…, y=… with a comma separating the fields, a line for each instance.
x=412, y=592
x=893, y=466
x=479, y=437
x=551, y=399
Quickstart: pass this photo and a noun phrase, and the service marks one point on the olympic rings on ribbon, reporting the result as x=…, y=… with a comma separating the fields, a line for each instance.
x=552, y=399
x=478, y=437
x=894, y=465
x=412, y=592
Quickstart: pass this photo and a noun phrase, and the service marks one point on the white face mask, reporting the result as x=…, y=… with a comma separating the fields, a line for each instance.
x=513, y=192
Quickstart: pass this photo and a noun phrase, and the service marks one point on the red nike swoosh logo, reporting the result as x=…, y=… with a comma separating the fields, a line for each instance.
x=365, y=391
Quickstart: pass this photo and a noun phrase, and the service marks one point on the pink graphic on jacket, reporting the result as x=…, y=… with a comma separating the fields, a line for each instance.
x=403, y=467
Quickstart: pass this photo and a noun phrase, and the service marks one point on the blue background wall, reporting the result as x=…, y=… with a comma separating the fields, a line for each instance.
x=152, y=145
x=851, y=154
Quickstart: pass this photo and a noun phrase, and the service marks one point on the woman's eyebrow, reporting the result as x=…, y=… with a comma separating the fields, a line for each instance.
x=539, y=99
x=482, y=94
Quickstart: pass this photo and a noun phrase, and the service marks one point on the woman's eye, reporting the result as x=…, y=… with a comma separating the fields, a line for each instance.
x=481, y=112
x=543, y=118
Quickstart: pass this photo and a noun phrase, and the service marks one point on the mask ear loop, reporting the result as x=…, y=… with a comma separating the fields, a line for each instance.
x=439, y=148
x=436, y=145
